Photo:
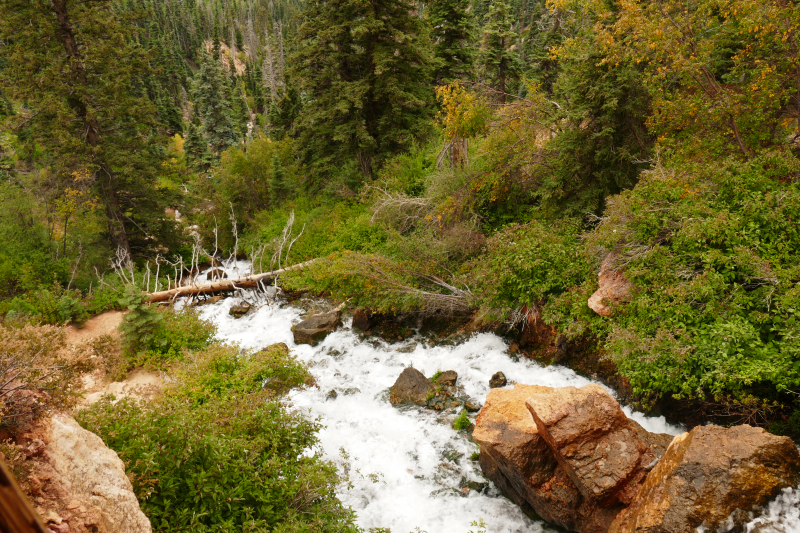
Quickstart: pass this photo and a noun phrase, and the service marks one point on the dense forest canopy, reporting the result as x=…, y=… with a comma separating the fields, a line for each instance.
x=444, y=158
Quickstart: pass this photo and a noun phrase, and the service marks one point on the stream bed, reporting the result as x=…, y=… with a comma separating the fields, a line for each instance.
x=409, y=470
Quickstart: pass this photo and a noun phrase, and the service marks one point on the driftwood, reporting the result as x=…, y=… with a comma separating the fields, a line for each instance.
x=250, y=282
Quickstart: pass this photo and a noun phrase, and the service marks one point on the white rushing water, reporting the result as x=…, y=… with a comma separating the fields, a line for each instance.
x=407, y=466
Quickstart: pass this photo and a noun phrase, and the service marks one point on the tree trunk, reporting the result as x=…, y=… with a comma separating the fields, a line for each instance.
x=107, y=181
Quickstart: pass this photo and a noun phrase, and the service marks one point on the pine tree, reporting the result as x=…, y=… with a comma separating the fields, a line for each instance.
x=452, y=32
x=364, y=67
x=241, y=113
x=277, y=180
x=75, y=66
x=198, y=158
x=210, y=95
x=500, y=63
x=284, y=113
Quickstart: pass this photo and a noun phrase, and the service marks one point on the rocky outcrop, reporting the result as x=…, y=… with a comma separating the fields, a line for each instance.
x=596, y=444
x=518, y=459
x=572, y=456
x=77, y=484
x=614, y=288
x=316, y=327
x=411, y=387
x=706, y=475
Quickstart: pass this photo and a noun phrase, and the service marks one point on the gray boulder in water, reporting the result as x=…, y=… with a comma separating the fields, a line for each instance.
x=316, y=327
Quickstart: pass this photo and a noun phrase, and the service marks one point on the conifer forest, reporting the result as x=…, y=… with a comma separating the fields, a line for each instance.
x=609, y=188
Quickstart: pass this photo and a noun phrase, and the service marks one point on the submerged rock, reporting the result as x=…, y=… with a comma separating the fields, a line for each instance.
x=614, y=288
x=316, y=327
x=598, y=446
x=239, y=310
x=706, y=475
x=498, y=379
x=411, y=387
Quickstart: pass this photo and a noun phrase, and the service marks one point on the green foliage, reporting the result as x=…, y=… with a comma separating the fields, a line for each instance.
x=142, y=325
x=452, y=32
x=364, y=70
x=233, y=459
x=712, y=251
x=462, y=421
x=210, y=92
x=527, y=265
x=499, y=61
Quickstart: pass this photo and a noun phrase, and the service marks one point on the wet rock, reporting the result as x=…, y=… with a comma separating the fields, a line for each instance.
x=362, y=319
x=411, y=387
x=208, y=301
x=316, y=327
x=708, y=473
x=592, y=439
x=332, y=395
x=239, y=310
x=448, y=377
x=215, y=274
x=498, y=380
x=472, y=406
x=614, y=288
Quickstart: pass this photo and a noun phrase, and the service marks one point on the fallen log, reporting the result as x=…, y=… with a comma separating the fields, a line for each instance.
x=249, y=282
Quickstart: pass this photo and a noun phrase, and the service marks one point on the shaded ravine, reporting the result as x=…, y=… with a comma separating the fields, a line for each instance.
x=408, y=468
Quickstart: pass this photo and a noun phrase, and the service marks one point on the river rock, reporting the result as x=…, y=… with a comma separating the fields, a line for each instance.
x=215, y=274
x=596, y=444
x=614, y=287
x=239, y=310
x=411, y=387
x=362, y=319
x=707, y=474
x=316, y=327
x=498, y=379
x=520, y=463
x=448, y=378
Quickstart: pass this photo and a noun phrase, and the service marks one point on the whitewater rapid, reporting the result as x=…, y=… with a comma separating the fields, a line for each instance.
x=408, y=468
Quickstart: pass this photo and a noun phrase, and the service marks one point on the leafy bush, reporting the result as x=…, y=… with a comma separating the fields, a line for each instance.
x=526, y=265
x=712, y=252
x=232, y=457
x=152, y=337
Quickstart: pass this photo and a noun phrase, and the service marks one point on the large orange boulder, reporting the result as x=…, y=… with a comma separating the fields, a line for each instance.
x=601, y=450
x=706, y=475
x=519, y=461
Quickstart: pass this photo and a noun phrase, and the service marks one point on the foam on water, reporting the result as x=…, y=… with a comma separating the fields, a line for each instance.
x=406, y=465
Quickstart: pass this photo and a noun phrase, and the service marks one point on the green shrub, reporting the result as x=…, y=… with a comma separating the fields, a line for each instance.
x=528, y=265
x=142, y=326
x=462, y=421
x=234, y=459
x=712, y=251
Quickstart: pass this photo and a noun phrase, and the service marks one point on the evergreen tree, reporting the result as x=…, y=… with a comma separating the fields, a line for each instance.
x=500, y=63
x=241, y=113
x=210, y=95
x=452, y=33
x=364, y=67
x=198, y=158
x=75, y=66
x=284, y=113
x=277, y=180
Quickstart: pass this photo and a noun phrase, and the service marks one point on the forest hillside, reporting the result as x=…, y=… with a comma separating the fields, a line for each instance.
x=469, y=165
